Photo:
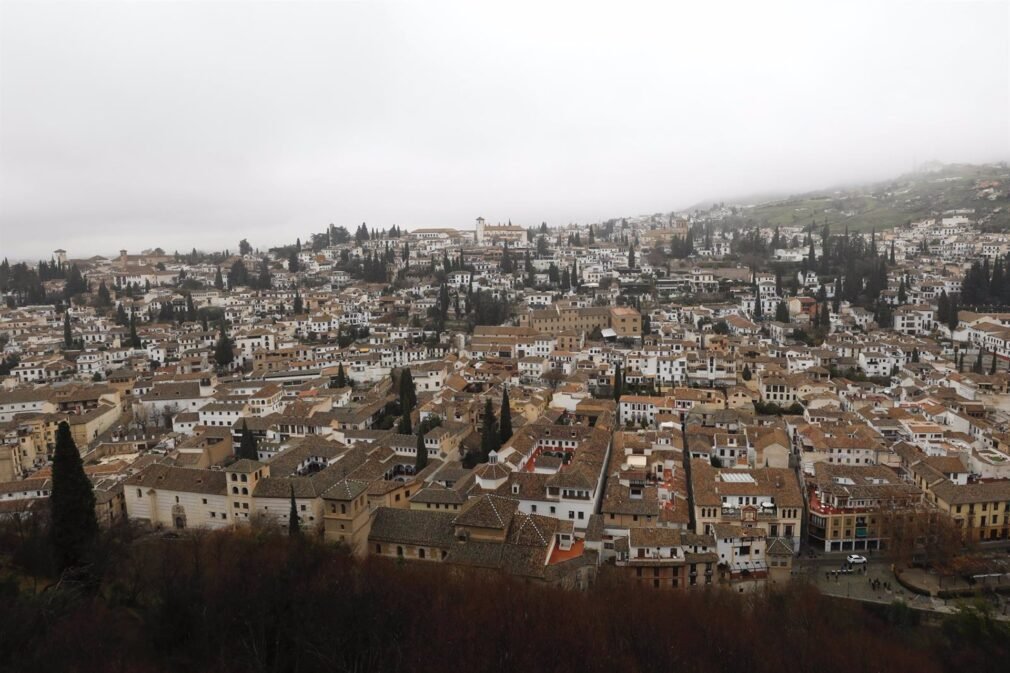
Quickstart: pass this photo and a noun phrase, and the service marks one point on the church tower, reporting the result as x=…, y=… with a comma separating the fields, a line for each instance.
x=479, y=237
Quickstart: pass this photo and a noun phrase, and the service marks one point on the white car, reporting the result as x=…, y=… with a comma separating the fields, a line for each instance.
x=855, y=559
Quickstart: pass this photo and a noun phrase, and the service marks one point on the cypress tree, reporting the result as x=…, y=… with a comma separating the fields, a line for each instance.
x=341, y=380
x=68, y=337
x=618, y=382
x=247, y=444
x=421, y=460
x=298, y=307
x=104, y=298
x=747, y=373
x=218, y=279
x=134, y=339
x=224, y=354
x=294, y=529
x=977, y=367
x=992, y=367
x=782, y=312
x=489, y=440
x=74, y=526
x=505, y=423
x=404, y=427
x=408, y=393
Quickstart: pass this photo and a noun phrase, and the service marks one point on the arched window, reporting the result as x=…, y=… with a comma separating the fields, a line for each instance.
x=399, y=551
x=420, y=553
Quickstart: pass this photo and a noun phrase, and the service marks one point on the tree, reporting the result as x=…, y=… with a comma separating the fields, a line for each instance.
x=618, y=382
x=631, y=257
x=238, y=275
x=421, y=459
x=134, y=339
x=166, y=313
x=224, y=353
x=404, y=428
x=247, y=444
x=265, y=280
x=747, y=373
x=244, y=248
x=74, y=526
x=505, y=422
x=298, y=307
x=341, y=380
x=218, y=279
x=68, y=337
x=104, y=297
x=758, y=311
x=294, y=521
x=992, y=367
x=408, y=393
x=782, y=312
x=489, y=440
x=293, y=261
x=902, y=296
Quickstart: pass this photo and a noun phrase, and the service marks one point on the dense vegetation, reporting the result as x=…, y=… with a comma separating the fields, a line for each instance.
x=259, y=601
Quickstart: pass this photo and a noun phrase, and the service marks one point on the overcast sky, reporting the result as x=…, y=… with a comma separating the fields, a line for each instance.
x=181, y=124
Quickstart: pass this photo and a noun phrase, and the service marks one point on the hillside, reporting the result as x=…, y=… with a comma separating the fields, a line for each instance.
x=884, y=205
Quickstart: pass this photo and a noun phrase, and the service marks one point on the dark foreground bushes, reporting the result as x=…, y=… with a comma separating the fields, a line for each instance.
x=254, y=602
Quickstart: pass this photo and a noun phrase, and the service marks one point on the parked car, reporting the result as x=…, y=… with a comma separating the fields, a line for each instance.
x=855, y=559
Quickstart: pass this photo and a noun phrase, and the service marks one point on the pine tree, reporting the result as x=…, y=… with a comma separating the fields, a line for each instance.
x=489, y=440
x=505, y=422
x=247, y=444
x=294, y=521
x=421, y=459
x=74, y=526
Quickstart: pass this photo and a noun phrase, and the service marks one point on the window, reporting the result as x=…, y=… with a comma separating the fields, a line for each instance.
x=138, y=493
